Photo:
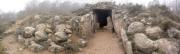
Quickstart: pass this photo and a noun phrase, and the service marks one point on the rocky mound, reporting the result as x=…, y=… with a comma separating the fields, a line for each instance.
x=52, y=33
x=152, y=30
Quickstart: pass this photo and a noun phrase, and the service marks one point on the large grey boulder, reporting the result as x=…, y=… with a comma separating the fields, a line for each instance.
x=60, y=28
x=167, y=47
x=44, y=27
x=154, y=32
x=48, y=28
x=40, y=35
x=143, y=43
x=59, y=36
x=135, y=27
x=29, y=31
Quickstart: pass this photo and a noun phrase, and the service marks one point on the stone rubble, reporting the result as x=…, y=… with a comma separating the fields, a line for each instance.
x=40, y=36
x=142, y=30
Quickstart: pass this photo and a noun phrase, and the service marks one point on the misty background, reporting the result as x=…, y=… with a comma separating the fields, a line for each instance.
x=11, y=10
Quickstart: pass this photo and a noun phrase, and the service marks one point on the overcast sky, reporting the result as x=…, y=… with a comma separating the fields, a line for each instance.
x=17, y=5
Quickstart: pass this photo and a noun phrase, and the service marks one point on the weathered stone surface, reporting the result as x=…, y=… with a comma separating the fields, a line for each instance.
x=60, y=27
x=29, y=31
x=82, y=43
x=28, y=41
x=173, y=33
x=68, y=31
x=40, y=27
x=142, y=41
x=36, y=47
x=110, y=24
x=167, y=47
x=155, y=53
x=20, y=39
x=59, y=36
x=55, y=48
x=126, y=44
x=87, y=25
x=135, y=27
x=154, y=32
x=40, y=35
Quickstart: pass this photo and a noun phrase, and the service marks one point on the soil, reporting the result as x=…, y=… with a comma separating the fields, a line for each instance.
x=103, y=42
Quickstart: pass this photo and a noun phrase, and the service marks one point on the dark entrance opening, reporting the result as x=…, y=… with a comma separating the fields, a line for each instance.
x=101, y=16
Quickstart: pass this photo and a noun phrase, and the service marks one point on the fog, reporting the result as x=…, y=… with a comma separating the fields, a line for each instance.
x=17, y=5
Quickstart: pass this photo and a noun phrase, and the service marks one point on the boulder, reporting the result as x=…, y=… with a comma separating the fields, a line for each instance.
x=173, y=33
x=60, y=27
x=135, y=27
x=60, y=36
x=109, y=25
x=82, y=43
x=154, y=32
x=48, y=29
x=29, y=31
x=55, y=48
x=40, y=35
x=40, y=27
x=68, y=31
x=167, y=47
x=68, y=26
x=143, y=43
x=35, y=47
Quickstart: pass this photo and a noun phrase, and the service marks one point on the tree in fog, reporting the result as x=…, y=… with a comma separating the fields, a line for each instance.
x=154, y=2
x=175, y=6
x=47, y=7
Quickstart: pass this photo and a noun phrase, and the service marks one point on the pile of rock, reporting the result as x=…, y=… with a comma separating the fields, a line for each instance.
x=148, y=31
x=53, y=35
x=148, y=39
x=37, y=38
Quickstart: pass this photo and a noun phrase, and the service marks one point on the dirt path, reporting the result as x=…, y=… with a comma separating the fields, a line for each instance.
x=102, y=43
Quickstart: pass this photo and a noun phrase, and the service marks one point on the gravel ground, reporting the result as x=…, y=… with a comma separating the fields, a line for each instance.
x=103, y=43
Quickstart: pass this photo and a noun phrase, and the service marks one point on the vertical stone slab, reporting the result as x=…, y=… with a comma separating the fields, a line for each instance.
x=87, y=24
x=121, y=33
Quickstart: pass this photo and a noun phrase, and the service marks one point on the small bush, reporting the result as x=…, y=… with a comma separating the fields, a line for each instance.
x=134, y=9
